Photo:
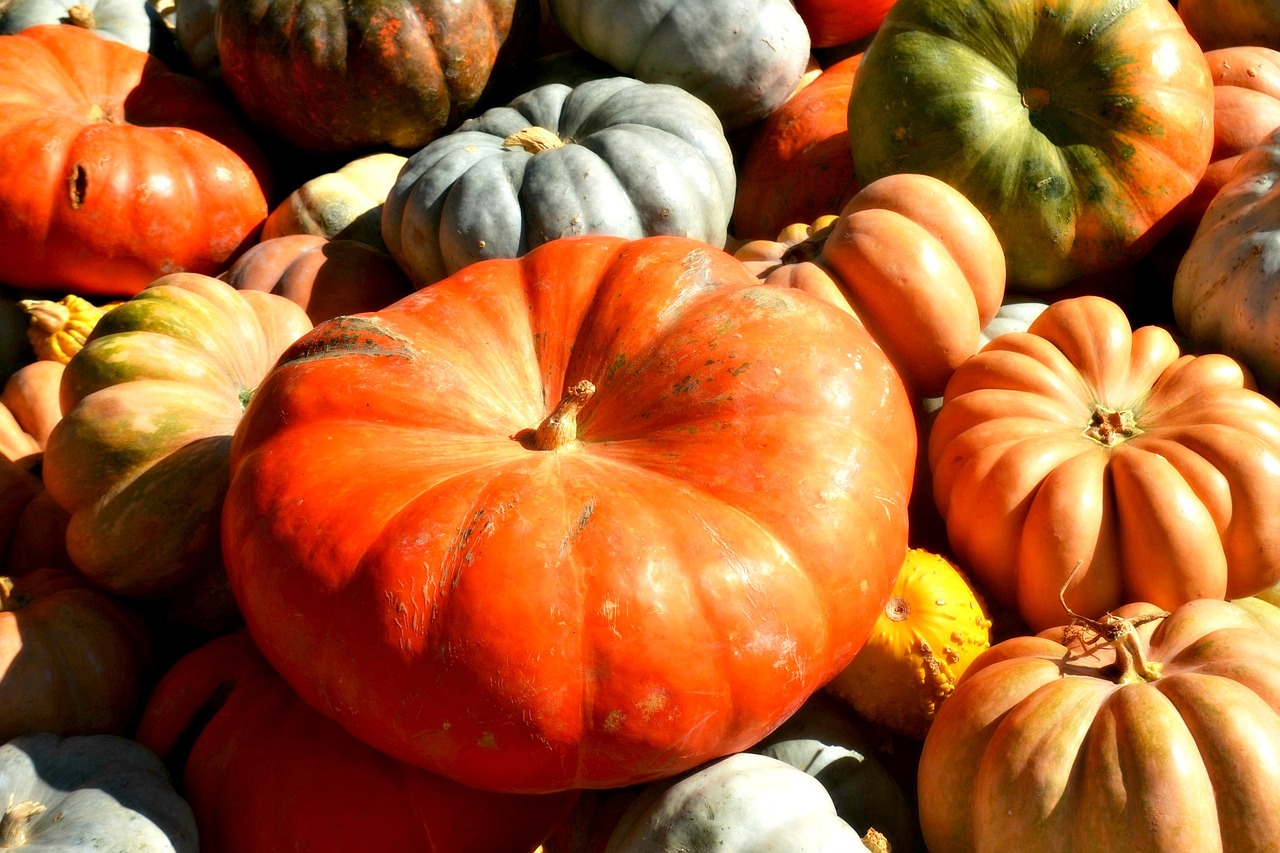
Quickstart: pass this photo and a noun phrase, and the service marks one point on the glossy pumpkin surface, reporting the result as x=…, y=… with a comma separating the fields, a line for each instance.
x=1167, y=744
x=114, y=153
x=139, y=458
x=264, y=772
x=581, y=519
x=1088, y=456
x=1074, y=126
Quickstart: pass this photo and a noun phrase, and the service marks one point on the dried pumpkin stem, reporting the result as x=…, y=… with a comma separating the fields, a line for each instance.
x=533, y=139
x=1109, y=426
x=81, y=16
x=15, y=821
x=560, y=429
x=1130, y=656
x=46, y=316
x=875, y=841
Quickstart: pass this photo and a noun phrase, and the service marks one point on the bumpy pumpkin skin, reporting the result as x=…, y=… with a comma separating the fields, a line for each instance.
x=220, y=715
x=1087, y=456
x=912, y=259
x=665, y=588
x=609, y=156
x=1040, y=748
x=139, y=458
x=1224, y=287
x=743, y=71
x=331, y=77
x=1074, y=126
x=115, y=152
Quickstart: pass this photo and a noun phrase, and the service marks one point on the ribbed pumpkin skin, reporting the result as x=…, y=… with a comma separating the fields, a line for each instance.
x=1083, y=441
x=115, y=153
x=1074, y=126
x=265, y=773
x=665, y=589
x=1038, y=750
x=73, y=661
x=139, y=458
x=125, y=21
x=332, y=76
x=741, y=57
x=637, y=159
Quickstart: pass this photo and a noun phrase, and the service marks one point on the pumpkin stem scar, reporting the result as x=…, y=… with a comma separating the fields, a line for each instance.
x=81, y=16
x=560, y=429
x=13, y=825
x=533, y=140
x=1110, y=427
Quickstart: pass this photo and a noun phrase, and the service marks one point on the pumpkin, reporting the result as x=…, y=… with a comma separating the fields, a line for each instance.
x=798, y=166
x=591, y=517
x=832, y=23
x=324, y=277
x=1145, y=730
x=743, y=71
x=912, y=259
x=73, y=660
x=343, y=204
x=744, y=802
x=1074, y=127
x=18, y=487
x=30, y=407
x=58, y=329
x=1087, y=457
x=1223, y=289
x=221, y=717
x=329, y=77
x=140, y=456
x=126, y=21
x=609, y=156
x=931, y=629
x=115, y=152
x=103, y=793
x=1232, y=23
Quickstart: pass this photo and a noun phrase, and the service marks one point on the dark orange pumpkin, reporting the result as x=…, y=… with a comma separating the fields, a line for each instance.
x=579, y=519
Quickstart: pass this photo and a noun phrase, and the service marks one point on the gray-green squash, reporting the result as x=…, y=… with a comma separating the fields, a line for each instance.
x=613, y=156
x=102, y=793
x=127, y=21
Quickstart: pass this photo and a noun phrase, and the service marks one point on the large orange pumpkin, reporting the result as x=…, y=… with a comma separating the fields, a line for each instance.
x=1087, y=456
x=579, y=519
x=119, y=171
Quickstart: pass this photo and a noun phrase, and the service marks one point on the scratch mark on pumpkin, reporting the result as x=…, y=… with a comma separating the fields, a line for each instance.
x=349, y=336
x=571, y=536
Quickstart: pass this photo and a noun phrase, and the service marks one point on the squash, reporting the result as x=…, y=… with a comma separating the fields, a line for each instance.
x=1223, y=289
x=609, y=156
x=343, y=204
x=58, y=329
x=932, y=628
x=101, y=793
x=832, y=23
x=744, y=802
x=324, y=277
x=798, y=166
x=128, y=171
x=912, y=259
x=126, y=21
x=29, y=408
x=1074, y=127
x=591, y=517
x=333, y=77
x=264, y=772
x=73, y=661
x=139, y=458
x=1088, y=456
x=1232, y=23
x=743, y=72
x=1144, y=730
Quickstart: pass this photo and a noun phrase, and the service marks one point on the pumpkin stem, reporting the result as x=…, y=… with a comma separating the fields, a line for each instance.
x=1115, y=631
x=14, y=822
x=875, y=841
x=533, y=139
x=1109, y=426
x=47, y=317
x=560, y=429
x=81, y=16
x=10, y=601
x=811, y=247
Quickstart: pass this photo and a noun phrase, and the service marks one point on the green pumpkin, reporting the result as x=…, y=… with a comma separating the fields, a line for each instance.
x=612, y=156
x=1075, y=127
x=100, y=793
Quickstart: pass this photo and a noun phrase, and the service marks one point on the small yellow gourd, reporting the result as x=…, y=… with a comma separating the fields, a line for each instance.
x=933, y=626
x=58, y=330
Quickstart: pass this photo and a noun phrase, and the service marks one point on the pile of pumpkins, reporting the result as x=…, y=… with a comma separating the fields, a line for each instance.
x=638, y=426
